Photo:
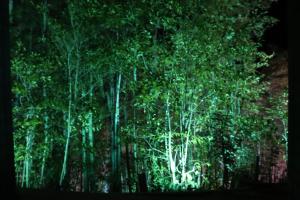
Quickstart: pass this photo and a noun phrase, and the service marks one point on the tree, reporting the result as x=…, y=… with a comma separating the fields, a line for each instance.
x=129, y=96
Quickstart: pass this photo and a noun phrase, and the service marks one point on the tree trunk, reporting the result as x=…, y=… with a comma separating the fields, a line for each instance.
x=28, y=160
x=142, y=182
x=135, y=147
x=127, y=157
x=69, y=127
x=225, y=161
x=170, y=147
x=10, y=6
x=91, y=143
x=85, y=180
x=45, y=152
x=116, y=161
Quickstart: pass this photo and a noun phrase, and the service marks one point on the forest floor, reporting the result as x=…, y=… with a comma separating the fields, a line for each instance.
x=254, y=192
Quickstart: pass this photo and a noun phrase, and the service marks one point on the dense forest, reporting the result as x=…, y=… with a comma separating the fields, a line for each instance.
x=141, y=95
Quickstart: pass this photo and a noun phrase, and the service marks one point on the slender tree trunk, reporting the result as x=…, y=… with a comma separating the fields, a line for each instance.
x=45, y=152
x=85, y=180
x=10, y=6
x=28, y=160
x=69, y=127
x=186, y=146
x=45, y=17
x=225, y=160
x=24, y=172
x=91, y=142
x=116, y=154
x=257, y=164
x=285, y=137
x=127, y=157
x=170, y=147
x=135, y=147
x=128, y=168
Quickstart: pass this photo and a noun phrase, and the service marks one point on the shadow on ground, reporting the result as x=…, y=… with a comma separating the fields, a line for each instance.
x=254, y=192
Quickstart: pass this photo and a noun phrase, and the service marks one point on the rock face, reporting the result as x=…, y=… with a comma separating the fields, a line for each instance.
x=277, y=73
x=273, y=165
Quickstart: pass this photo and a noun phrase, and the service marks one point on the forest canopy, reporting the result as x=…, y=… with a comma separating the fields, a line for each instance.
x=145, y=95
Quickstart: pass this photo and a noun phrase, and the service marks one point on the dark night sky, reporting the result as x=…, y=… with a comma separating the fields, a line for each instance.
x=277, y=35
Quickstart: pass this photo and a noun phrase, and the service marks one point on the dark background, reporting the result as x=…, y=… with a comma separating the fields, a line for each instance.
x=277, y=35
x=281, y=37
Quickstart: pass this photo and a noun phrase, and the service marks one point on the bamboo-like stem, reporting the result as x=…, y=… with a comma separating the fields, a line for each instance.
x=45, y=152
x=170, y=148
x=69, y=126
x=85, y=179
x=91, y=140
x=116, y=143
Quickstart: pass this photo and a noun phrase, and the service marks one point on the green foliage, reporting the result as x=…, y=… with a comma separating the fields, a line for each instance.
x=188, y=108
